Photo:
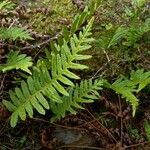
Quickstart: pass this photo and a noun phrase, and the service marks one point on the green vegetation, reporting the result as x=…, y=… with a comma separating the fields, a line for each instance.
x=44, y=76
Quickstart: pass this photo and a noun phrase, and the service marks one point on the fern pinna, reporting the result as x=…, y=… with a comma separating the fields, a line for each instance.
x=43, y=85
x=85, y=92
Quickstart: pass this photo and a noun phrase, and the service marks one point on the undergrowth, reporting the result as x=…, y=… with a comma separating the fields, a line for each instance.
x=53, y=81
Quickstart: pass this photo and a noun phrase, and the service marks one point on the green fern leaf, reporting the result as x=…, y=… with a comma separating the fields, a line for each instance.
x=42, y=85
x=111, y=39
x=79, y=20
x=6, y=5
x=140, y=78
x=82, y=93
x=119, y=34
x=136, y=31
x=127, y=87
x=14, y=33
x=17, y=61
x=147, y=129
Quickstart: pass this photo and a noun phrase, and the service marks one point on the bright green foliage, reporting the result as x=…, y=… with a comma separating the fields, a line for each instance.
x=14, y=33
x=136, y=31
x=93, y=5
x=127, y=87
x=147, y=129
x=109, y=41
x=42, y=85
x=6, y=5
x=118, y=35
x=77, y=23
x=140, y=78
x=17, y=61
x=138, y=3
x=81, y=18
x=85, y=92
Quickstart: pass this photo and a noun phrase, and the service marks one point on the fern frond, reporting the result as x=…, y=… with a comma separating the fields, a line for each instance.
x=31, y=95
x=140, y=78
x=85, y=92
x=42, y=85
x=118, y=35
x=128, y=87
x=135, y=33
x=6, y=5
x=17, y=61
x=14, y=33
x=147, y=129
x=110, y=40
x=138, y=3
x=79, y=20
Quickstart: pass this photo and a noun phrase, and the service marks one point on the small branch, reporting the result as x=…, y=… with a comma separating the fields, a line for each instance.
x=100, y=69
x=135, y=145
x=40, y=44
x=2, y=83
x=81, y=147
x=109, y=133
x=121, y=121
x=108, y=59
x=57, y=125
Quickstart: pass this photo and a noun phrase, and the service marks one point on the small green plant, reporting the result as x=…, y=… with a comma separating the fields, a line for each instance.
x=129, y=34
x=129, y=87
x=134, y=133
x=147, y=129
x=6, y=5
x=17, y=61
x=14, y=33
x=43, y=85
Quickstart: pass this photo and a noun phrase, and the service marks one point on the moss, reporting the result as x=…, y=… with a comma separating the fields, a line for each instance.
x=51, y=15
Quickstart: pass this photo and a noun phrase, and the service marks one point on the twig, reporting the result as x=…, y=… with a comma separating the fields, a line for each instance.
x=13, y=23
x=100, y=69
x=108, y=59
x=81, y=147
x=41, y=44
x=42, y=120
x=102, y=126
x=2, y=83
x=121, y=122
x=135, y=145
